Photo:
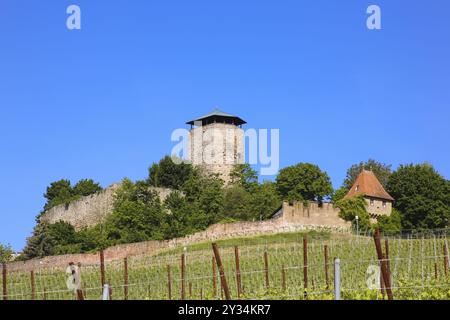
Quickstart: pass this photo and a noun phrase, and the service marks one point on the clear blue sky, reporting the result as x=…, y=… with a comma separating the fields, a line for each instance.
x=102, y=102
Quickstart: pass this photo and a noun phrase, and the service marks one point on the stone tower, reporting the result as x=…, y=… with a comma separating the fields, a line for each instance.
x=216, y=143
x=379, y=202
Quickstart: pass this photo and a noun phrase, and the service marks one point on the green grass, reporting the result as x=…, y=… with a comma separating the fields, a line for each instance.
x=413, y=264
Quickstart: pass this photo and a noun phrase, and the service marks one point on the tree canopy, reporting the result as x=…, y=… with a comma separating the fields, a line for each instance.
x=168, y=174
x=421, y=195
x=62, y=192
x=382, y=172
x=6, y=253
x=303, y=182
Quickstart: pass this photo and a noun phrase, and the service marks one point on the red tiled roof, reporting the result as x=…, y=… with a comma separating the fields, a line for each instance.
x=368, y=184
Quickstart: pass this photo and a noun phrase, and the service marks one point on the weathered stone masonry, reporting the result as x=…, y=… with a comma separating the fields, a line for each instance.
x=91, y=210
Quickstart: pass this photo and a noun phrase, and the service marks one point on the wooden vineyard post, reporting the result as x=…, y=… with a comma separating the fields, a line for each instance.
x=388, y=260
x=305, y=265
x=214, y=278
x=183, y=277
x=82, y=291
x=190, y=290
x=382, y=284
x=33, y=286
x=436, y=271
x=223, y=279
x=327, y=279
x=80, y=295
x=5, y=279
x=238, y=272
x=102, y=268
x=125, y=278
x=446, y=261
x=266, y=269
x=283, y=278
x=384, y=265
x=169, y=282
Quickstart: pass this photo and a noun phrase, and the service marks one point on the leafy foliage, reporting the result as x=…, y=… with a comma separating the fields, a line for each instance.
x=382, y=172
x=168, y=174
x=421, y=195
x=264, y=201
x=352, y=208
x=86, y=187
x=303, y=182
x=59, y=192
x=138, y=214
x=339, y=194
x=62, y=192
x=245, y=176
x=236, y=200
x=51, y=239
x=6, y=253
x=390, y=224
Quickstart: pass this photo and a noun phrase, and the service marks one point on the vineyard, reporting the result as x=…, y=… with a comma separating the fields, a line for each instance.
x=285, y=266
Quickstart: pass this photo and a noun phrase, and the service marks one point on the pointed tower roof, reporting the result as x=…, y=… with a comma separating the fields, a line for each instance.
x=218, y=116
x=368, y=184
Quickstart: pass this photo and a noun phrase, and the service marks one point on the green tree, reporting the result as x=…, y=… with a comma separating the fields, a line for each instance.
x=205, y=193
x=86, y=187
x=303, y=182
x=352, y=208
x=168, y=174
x=421, y=195
x=235, y=203
x=62, y=192
x=137, y=216
x=51, y=239
x=382, y=172
x=390, y=224
x=6, y=253
x=182, y=216
x=264, y=201
x=245, y=176
x=59, y=192
x=339, y=194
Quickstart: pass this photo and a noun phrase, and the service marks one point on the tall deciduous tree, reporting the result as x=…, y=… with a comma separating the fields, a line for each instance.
x=421, y=195
x=6, y=253
x=245, y=176
x=303, y=182
x=352, y=208
x=382, y=172
x=264, y=201
x=168, y=174
x=138, y=214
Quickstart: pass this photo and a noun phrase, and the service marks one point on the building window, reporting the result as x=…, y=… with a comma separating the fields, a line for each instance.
x=384, y=204
x=372, y=202
x=357, y=188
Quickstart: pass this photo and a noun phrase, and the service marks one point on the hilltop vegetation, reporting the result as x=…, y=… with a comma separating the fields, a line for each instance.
x=200, y=200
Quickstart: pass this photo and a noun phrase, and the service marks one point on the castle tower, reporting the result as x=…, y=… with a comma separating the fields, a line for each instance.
x=379, y=202
x=216, y=143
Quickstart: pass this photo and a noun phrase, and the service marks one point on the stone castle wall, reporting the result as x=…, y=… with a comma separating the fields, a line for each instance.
x=294, y=218
x=321, y=215
x=90, y=210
